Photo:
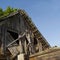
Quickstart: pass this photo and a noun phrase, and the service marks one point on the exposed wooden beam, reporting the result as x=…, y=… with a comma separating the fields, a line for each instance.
x=39, y=37
x=35, y=30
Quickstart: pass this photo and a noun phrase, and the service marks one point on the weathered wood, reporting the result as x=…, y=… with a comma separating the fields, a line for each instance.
x=14, y=50
x=21, y=48
x=15, y=40
x=40, y=47
x=49, y=54
x=22, y=27
x=21, y=57
x=19, y=23
x=3, y=40
x=25, y=47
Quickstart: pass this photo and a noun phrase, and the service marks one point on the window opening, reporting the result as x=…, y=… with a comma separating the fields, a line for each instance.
x=14, y=35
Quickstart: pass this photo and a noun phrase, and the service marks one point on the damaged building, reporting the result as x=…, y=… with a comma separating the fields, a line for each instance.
x=19, y=35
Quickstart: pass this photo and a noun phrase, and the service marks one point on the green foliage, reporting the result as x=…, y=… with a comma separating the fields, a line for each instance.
x=7, y=11
x=1, y=12
x=14, y=10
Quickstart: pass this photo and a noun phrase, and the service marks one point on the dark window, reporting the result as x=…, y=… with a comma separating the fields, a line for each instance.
x=35, y=41
x=14, y=35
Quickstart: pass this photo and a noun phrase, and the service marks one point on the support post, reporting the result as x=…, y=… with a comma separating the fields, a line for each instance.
x=21, y=57
x=40, y=46
x=21, y=49
x=25, y=47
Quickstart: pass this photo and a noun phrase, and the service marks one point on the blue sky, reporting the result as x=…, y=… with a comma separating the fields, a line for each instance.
x=44, y=13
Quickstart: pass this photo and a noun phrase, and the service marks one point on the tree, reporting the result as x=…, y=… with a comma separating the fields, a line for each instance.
x=14, y=10
x=7, y=11
x=1, y=12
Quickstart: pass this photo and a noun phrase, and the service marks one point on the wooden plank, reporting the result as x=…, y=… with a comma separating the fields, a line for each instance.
x=9, y=39
x=35, y=30
x=14, y=50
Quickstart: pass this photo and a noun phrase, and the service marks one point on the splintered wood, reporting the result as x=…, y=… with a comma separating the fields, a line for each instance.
x=14, y=50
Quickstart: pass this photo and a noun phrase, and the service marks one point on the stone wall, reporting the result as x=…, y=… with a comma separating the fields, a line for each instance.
x=49, y=54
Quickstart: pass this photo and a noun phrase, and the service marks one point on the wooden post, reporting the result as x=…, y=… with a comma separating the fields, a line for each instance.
x=40, y=46
x=8, y=58
x=25, y=47
x=21, y=49
x=21, y=57
x=3, y=40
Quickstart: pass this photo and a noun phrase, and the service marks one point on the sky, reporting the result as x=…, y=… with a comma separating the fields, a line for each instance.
x=44, y=13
